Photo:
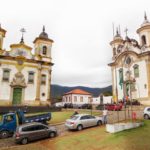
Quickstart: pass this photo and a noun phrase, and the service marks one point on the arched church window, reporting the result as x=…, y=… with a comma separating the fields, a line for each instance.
x=136, y=70
x=43, y=79
x=6, y=74
x=44, y=50
x=30, y=77
x=143, y=40
x=128, y=61
x=121, y=77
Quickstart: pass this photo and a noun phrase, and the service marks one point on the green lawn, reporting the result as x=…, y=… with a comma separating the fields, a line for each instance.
x=96, y=139
x=58, y=117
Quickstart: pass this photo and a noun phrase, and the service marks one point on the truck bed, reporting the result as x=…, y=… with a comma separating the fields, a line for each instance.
x=38, y=118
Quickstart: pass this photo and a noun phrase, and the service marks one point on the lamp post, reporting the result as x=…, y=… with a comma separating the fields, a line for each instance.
x=101, y=98
x=91, y=104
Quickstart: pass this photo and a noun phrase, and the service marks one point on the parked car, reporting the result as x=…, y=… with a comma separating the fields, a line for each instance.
x=33, y=131
x=9, y=121
x=114, y=107
x=100, y=107
x=68, y=105
x=59, y=104
x=81, y=121
x=86, y=106
x=146, y=113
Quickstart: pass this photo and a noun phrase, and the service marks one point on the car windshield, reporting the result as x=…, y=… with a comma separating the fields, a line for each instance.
x=74, y=117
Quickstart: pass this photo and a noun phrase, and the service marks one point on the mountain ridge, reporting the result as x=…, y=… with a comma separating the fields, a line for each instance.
x=59, y=90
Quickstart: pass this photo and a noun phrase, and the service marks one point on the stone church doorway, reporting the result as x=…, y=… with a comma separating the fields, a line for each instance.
x=17, y=96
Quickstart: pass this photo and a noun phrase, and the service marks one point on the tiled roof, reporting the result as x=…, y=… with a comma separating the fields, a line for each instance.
x=78, y=91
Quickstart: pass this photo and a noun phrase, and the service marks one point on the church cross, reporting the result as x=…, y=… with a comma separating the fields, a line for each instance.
x=22, y=31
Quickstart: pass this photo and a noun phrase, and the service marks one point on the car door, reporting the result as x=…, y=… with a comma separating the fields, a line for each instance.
x=30, y=133
x=10, y=122
x=84, y=121
x=42, y=131
x=91, y=121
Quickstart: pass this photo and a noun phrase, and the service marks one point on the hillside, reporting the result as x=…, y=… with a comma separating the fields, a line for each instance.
x=58, y=90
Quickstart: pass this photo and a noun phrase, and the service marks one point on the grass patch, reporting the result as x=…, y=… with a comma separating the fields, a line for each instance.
x=58, y=117
x=97, y=139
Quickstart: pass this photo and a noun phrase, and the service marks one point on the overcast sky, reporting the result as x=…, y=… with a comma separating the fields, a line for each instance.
x=81, y=30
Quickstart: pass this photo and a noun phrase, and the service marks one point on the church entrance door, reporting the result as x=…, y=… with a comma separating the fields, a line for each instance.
x=17, y=96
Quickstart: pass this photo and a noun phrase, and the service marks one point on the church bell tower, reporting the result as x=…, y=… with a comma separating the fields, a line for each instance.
x=43, y=45
x=144, y=32
x=2, y=35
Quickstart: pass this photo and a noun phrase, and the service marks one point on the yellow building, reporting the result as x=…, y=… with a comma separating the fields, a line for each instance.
x=25, y=72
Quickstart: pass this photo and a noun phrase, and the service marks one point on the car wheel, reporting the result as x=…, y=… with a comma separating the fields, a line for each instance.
x=52, y=134
x=4, y=134
x=146, y=117
x=99, y=123
x=24, y=141
x=79, y=127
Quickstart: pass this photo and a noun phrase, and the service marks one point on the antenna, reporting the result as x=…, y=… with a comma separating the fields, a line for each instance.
x=119, y=30
x=113, y=29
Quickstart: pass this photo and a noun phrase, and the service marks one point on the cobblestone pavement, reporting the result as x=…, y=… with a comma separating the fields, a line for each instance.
x=113, y=116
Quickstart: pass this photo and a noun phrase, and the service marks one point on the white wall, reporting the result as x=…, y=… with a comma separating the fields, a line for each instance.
x=141, y=91
x=30, y=90
x=5, y=88
x=106, y=99
x=78, y=102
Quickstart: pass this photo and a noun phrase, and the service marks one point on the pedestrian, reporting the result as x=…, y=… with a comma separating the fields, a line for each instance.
x=105, y=111
x=75, y=113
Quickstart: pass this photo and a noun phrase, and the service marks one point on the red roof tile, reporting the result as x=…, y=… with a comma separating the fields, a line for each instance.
x=78, y=91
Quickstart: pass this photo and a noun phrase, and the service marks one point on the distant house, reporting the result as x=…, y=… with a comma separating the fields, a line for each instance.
x=104, y=100
x=77, y=96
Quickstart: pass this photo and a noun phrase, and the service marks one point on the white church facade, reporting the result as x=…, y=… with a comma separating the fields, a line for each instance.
x=130, y=65
x=25, y=77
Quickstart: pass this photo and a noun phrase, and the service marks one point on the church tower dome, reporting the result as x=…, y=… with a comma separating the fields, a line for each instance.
x=144, y=32
x=43, y=34
x=116, y=43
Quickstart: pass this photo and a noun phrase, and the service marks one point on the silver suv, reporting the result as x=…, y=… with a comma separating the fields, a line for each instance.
x=33, y=131
x=147, y=113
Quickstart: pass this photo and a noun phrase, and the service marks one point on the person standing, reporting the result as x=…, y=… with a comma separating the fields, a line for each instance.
x=75, y=113
x=105, y=113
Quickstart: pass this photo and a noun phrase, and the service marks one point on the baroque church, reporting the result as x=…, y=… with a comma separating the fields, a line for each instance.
x=130, y=66
x=25, y=77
